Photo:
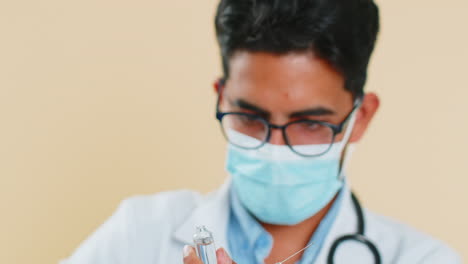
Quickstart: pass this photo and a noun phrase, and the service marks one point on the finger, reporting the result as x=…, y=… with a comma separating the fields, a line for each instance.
x=223, y=257
x=190, y=257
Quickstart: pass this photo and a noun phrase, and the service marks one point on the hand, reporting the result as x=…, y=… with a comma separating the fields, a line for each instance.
x=190, y=257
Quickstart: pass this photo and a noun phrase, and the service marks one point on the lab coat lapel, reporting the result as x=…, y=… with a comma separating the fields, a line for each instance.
x=213, y=212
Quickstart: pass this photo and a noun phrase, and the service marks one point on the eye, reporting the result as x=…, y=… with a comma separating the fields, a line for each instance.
x=308, y=128
x=311, y=126
x=247, y=119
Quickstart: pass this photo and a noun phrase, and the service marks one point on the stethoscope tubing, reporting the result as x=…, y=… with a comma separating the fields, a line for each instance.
x=359, y=236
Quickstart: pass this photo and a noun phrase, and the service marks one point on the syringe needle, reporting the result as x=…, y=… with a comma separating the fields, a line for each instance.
x=288, y=258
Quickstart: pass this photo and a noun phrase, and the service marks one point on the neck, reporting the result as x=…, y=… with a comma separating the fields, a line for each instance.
x=287, y=240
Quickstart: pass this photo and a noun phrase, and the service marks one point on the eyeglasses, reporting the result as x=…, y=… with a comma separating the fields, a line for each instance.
x=250, y=131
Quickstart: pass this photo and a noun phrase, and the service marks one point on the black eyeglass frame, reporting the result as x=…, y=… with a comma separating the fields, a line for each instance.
x=336, y=129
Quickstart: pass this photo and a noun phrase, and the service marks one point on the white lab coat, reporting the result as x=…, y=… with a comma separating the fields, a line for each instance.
x=154, y=229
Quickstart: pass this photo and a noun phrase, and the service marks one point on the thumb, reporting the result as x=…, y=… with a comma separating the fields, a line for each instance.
x=223, y=257
x=190, y=257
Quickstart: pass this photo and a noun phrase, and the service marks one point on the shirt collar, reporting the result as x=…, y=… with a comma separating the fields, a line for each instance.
x=322, y=231
x=249, y=225
x=253, y=230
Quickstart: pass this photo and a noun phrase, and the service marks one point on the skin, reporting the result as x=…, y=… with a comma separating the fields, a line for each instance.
x=283, y=88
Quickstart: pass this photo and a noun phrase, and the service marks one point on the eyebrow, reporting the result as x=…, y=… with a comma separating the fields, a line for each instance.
x=249, y=106
x=314, y=111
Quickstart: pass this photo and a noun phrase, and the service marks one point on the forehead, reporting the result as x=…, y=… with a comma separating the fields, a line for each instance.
x=291, y=80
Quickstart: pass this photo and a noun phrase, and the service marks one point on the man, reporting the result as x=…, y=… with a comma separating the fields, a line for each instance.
x=291, y=104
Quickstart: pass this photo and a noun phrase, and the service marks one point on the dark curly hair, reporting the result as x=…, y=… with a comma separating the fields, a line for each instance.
x=342, y=32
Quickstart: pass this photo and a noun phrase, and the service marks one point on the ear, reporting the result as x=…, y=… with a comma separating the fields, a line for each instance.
x=365, y=114
x=218, y=85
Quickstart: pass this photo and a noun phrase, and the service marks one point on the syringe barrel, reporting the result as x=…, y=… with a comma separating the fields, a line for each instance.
x=204, y=243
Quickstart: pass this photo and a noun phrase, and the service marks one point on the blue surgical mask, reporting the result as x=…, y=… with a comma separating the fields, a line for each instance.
x=280, y=187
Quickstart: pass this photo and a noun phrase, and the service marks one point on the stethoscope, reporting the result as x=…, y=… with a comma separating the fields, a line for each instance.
x=357, y=237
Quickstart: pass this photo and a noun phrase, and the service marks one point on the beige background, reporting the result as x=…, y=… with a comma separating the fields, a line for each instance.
x=100, y=100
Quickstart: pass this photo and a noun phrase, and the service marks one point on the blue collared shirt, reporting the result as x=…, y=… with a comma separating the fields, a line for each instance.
x=250, y=243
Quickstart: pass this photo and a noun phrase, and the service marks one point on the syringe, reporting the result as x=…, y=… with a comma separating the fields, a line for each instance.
x=288, y=258
x=204, y=243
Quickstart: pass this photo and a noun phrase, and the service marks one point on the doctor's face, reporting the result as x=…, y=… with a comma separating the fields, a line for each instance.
x=294, y=86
